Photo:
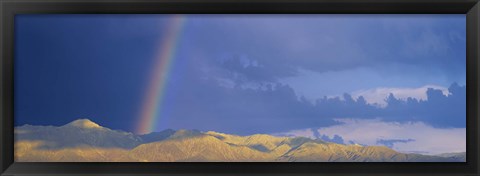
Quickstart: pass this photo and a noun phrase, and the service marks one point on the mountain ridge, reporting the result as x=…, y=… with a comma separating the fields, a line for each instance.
x=85, y=141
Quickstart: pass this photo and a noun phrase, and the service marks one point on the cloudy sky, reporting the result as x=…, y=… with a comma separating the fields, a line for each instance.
x=393, y=80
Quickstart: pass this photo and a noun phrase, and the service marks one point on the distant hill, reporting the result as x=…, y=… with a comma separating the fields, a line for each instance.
x=462, y=156
x=85, y=141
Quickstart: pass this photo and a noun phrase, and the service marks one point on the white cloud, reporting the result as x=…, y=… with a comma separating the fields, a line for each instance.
x=374, y=85
x=378, y=95
x=425, y=139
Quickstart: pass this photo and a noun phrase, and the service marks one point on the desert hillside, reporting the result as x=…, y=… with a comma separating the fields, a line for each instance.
x=86, y=141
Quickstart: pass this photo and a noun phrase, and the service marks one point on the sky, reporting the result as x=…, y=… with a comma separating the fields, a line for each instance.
x=332, y=77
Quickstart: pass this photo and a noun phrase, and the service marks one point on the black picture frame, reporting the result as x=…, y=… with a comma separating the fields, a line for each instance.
x=9, y=8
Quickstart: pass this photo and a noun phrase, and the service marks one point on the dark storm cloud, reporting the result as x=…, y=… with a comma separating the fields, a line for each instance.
x=235, y=63
x=244, y=70
x=336, y=138
x=206, y=105
x=390, y=142
x=438, y=110
x=331, y=43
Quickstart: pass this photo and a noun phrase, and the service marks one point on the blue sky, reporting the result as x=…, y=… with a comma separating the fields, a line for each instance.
x=243, y=74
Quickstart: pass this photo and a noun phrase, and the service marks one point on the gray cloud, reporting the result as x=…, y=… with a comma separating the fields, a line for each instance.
x=201, y=102
x=390, y=142
x=229, y=69
x=330, y=42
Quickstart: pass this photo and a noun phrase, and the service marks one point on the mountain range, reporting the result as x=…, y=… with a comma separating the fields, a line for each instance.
x=85, y=141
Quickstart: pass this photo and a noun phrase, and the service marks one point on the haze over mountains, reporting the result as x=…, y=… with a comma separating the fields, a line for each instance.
x=85, y=141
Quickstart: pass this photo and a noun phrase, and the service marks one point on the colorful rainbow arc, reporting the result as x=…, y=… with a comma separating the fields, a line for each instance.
x=153, y=98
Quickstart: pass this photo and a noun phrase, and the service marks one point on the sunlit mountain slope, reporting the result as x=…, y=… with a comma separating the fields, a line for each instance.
x=86, y=141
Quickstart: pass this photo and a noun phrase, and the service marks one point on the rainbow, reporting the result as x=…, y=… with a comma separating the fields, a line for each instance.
x=152, y=104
